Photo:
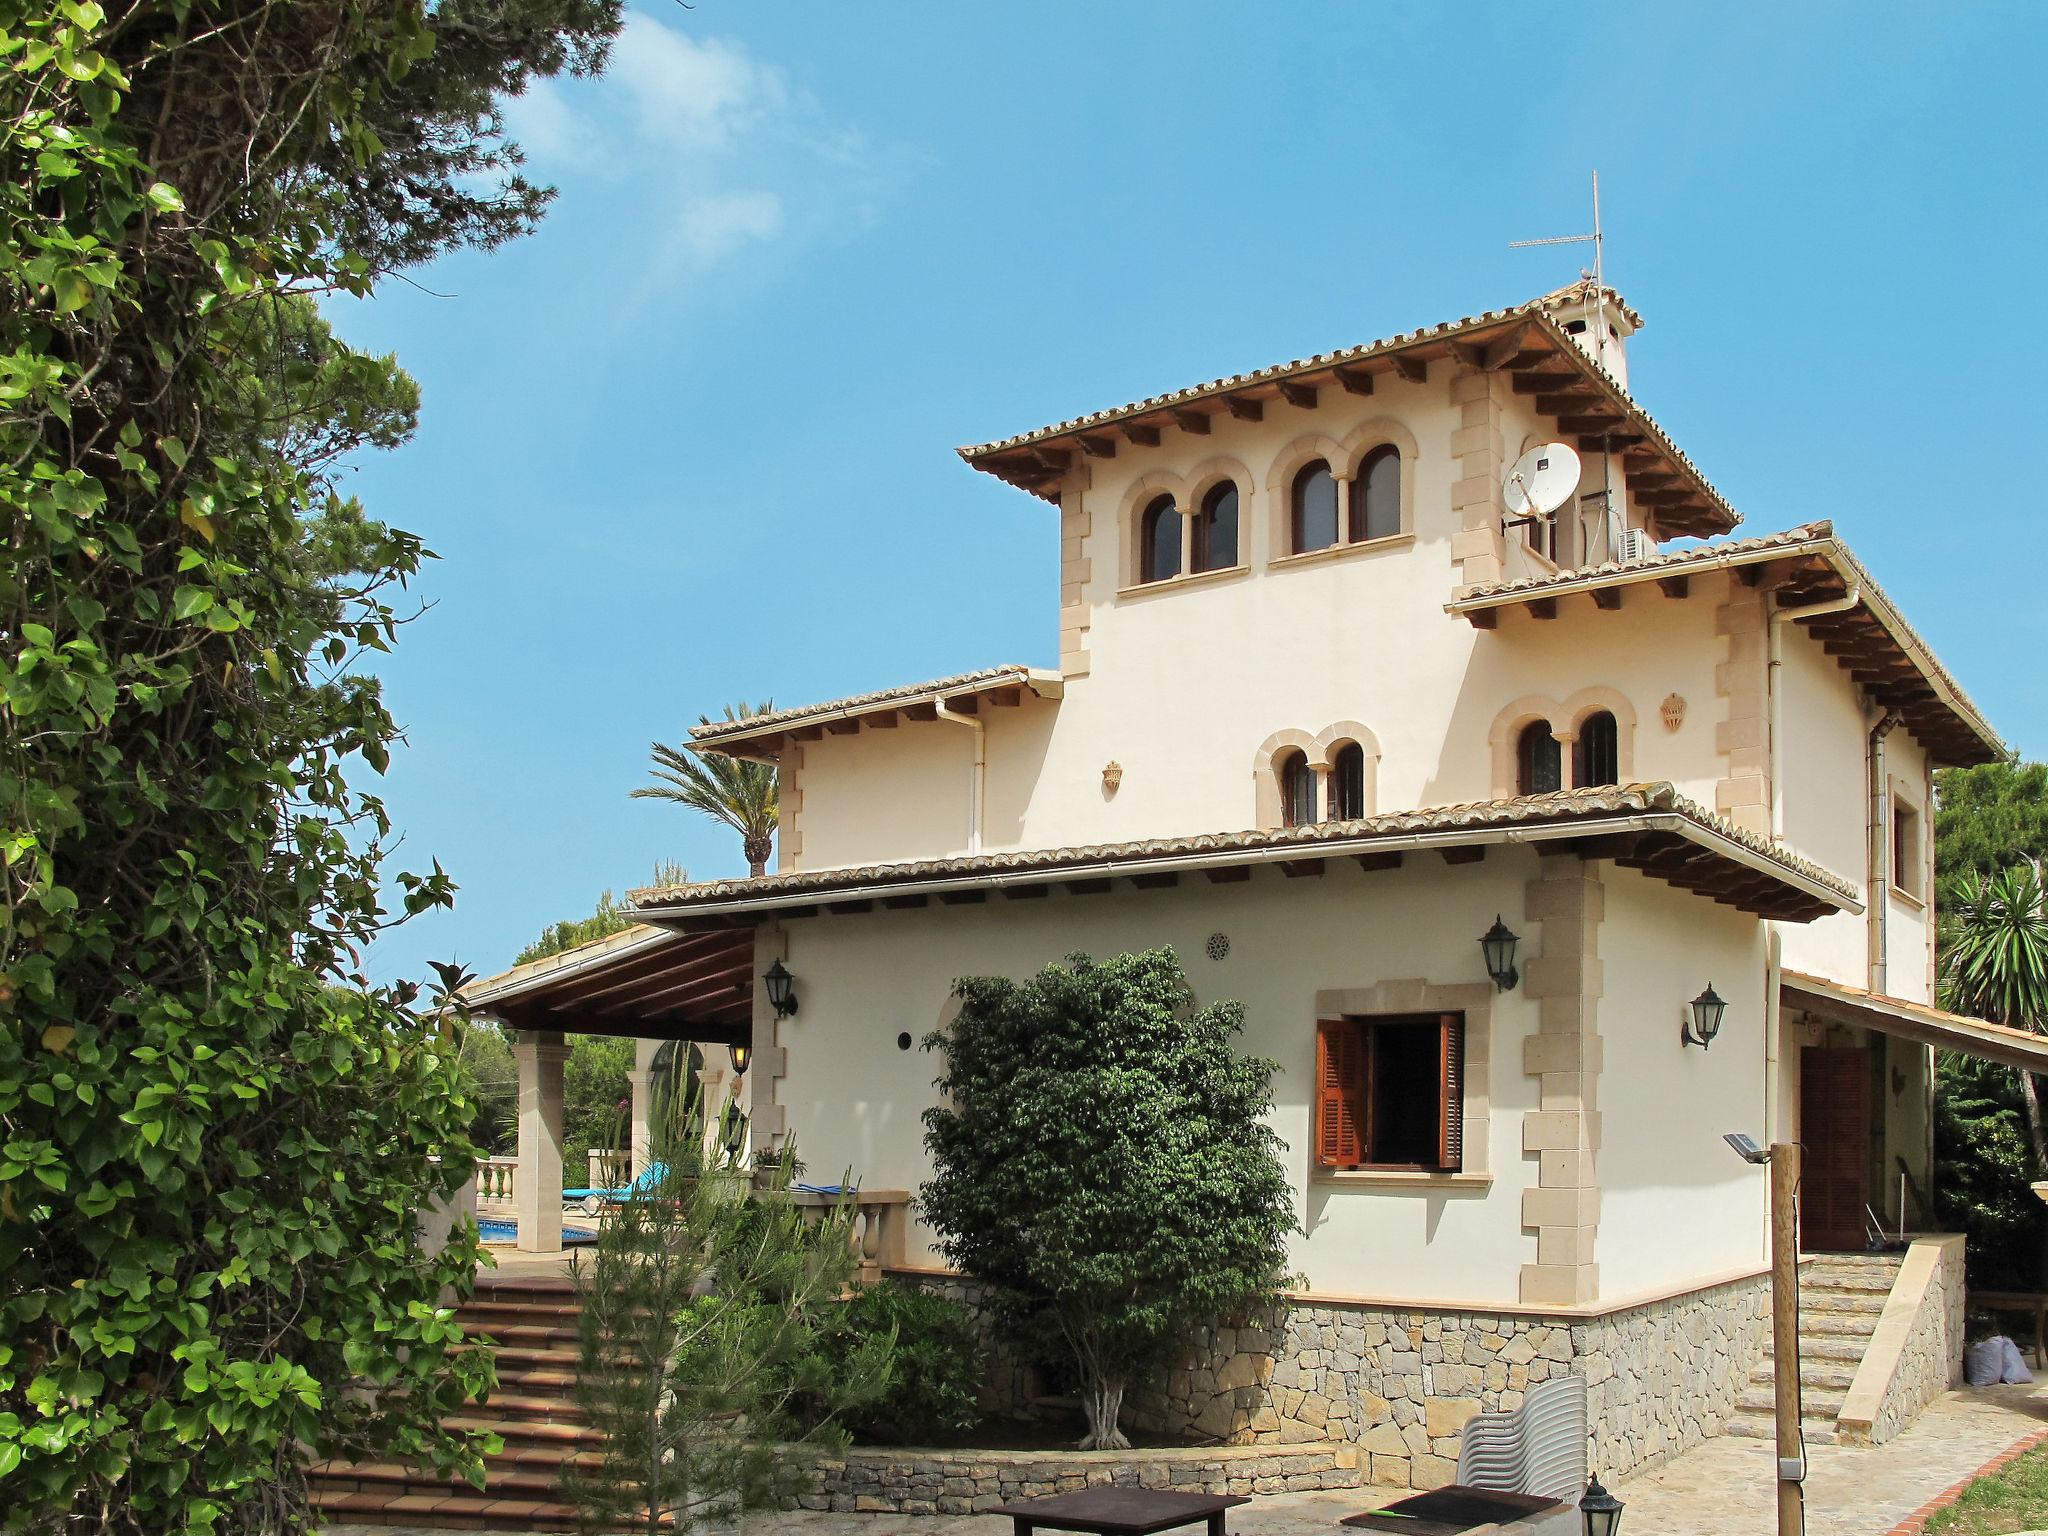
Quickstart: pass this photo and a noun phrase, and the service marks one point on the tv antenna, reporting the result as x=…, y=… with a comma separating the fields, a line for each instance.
x=1596, y=239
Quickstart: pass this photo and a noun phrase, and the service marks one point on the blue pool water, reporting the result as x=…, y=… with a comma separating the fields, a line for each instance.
x=508, y=1232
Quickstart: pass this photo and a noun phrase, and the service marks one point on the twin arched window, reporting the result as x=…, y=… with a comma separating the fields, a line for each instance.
x=1297, y=790
x=1347, y=783
x=1596, y=756
x=1298, y=787
x=1216, y=529
x=1316, y=508
x=1159, y=540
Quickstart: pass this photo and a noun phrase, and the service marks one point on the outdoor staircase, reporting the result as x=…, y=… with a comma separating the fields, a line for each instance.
x=1841, y=1296
x=533, y=1322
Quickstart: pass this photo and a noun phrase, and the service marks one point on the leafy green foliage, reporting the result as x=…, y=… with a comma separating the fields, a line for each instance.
x=936, y=1369
x=1989, y=817
x=732, y=790
x=701, y=1311
x=215, y=1133
x=1102, y=1166
x=1983, y=1169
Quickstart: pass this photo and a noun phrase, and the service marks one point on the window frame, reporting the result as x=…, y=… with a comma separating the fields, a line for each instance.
x=1360, y=530
x=1584, y=771
x=1297, y=526
x=1522, y=774
x=1335, y=810
x=1204, y=531
x=1345, y=1046
x=1161, y=507
x=1908, y=875
x=1291, y=761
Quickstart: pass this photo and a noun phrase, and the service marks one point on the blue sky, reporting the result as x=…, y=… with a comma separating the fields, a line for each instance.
x=693, y=441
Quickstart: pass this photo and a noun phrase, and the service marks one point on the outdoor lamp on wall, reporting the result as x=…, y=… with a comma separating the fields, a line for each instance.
x=741, y=1055
x=1702, y=1018
x=781, y=989
x=1499, y=944
x=1600, y=1510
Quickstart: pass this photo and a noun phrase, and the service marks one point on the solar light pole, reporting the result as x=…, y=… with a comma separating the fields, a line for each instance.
x=1783, y=1160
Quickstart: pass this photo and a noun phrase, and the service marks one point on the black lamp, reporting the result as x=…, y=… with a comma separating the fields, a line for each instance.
x=1499, y=944
x=741, y=1055
x=1702, y=1020
x=781, y=989
x=1600, y=1510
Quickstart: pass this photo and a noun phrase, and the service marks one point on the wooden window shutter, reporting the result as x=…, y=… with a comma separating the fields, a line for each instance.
x=1451, y=1116
x=1340, y=1093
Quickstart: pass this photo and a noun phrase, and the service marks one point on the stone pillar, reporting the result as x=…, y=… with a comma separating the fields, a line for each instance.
x=1564, y=1055
x=540, y=1055
x=1076, y=569
x=1742, y=734
x=641, y=1145
x=767, y=1124
x=1477, y=546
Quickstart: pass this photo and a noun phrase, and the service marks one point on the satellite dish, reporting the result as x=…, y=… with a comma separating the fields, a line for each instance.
x=1541, y=480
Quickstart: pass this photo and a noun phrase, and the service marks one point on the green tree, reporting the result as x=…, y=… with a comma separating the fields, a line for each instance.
x=1994, y=964
x=1983, y=1171
x=1103, y=1168
x=701, y=1310
x=736, y=791
x=214, y=1131
x=1988, y=817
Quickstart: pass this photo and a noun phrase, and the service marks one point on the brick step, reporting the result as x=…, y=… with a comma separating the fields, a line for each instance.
x=1874, y=1283
x=1841, y=1348
x=530, y=1480
x=511, y=1309
x=535, y=1440
x=1825, y=1376
x=528, y=1335
x=1825, y=1404
x=446, y=1511
x=1764, y=1426
x=1866, y=1304
x=1838, y=1325
x=548, y=1408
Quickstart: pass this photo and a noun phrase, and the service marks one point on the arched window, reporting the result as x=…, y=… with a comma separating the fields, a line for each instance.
x=1539, y=769
x=1596, y=755
x=1347, y=783
x=1297, y=790
x=1159, y=541
x=1216, y=529
x=1315, y=508
x=1376, y=495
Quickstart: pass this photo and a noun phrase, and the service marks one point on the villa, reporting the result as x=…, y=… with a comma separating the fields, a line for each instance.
x=1333, y=705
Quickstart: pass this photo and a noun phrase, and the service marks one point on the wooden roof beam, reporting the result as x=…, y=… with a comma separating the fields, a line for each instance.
x=1353, y=381
x=1545, y=383
x=1244, y=408
x=1196, y=422
x=1297, y=394
x=1413, y=369
x=1141, y=434
x=1098, y=447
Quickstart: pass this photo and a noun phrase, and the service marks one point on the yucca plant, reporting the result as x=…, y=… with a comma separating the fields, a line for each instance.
x=1994, y=962
x=731, y=790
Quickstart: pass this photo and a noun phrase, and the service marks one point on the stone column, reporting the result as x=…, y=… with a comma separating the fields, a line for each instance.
x=1564, y=979
x=1477, y=545
x=1742, y=734
x=641, y=1145
x=540, y=1055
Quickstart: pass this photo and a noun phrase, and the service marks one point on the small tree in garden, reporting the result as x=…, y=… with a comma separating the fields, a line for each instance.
x=1102, y=1167
x=701, y=1310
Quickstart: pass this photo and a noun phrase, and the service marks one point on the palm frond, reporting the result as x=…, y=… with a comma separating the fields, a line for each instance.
x=733, y=791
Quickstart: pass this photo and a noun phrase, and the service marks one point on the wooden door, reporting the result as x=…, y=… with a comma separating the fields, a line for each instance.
x=1834, y=1127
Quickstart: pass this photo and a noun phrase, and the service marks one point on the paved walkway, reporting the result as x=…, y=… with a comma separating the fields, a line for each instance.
x=1723, y=1488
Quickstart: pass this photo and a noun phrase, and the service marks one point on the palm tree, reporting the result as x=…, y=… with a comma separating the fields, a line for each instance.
x=733, y=790
x=1994, y=963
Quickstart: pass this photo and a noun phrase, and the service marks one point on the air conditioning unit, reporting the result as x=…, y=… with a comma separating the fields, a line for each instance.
x=1636, y=545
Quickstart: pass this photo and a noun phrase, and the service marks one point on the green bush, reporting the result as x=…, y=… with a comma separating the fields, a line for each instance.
x=936, y=1372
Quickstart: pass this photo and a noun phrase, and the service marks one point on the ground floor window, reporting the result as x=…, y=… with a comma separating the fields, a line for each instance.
x=1390, y=1092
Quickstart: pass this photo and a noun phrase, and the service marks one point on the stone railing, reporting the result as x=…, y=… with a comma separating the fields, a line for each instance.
x=497, y=1183
x=1916, y=1350
x=609, y=1167
x=880, y=1218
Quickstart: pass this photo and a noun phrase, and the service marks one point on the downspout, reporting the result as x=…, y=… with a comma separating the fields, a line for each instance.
x=1880, y=853
x=1775, y=692
x=979, y=785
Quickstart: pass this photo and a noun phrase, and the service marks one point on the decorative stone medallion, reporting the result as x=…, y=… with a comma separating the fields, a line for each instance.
x=1218, y=945
x=1673, y=712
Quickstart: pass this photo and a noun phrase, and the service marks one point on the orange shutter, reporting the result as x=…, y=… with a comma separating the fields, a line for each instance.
x=1340, y=1093
x=1451, y=1118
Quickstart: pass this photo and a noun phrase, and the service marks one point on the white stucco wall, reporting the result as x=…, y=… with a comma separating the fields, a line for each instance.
x=1675, y=1201
x=854, y=1100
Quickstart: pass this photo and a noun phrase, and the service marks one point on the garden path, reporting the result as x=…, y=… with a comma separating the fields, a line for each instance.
x=1722, y=1488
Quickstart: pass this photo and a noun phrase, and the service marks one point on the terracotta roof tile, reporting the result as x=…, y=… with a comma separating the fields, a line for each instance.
x=780, y=719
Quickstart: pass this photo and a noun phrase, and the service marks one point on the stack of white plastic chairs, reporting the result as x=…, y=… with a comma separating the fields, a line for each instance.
x=1538, y=1449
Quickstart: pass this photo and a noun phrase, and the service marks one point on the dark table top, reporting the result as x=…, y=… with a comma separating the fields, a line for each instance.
x=1109, y=1511
x=1449, y=1510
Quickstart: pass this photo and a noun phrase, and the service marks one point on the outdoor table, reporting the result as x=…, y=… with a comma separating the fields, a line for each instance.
x=1120, y=1511
x=1454, y=1509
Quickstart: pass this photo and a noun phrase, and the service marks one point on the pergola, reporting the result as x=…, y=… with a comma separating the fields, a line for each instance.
x=652, y=985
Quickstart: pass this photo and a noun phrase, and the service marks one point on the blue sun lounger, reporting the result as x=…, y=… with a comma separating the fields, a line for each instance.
x=594, y=1200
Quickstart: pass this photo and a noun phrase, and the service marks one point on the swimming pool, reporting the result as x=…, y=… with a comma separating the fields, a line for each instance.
x=497, y=1231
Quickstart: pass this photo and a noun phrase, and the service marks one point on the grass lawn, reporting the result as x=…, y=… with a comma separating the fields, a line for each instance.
x=2014, y=1498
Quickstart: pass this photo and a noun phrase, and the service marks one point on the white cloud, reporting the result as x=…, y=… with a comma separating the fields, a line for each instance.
x=714, y=226
x=701, y=94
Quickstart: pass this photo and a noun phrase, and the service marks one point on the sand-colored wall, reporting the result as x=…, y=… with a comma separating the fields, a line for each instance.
x=854, y=1099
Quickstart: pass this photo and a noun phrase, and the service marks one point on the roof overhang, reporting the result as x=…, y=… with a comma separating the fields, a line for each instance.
x=1806, y=567
x=764, y=736
x=1650, y=828
x=646, y=982
x=1527, y=344
x=2009, y=1047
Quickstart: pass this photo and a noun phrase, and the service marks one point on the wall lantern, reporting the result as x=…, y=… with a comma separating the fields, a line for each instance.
x=781, y=989
x=1499, y=944
x=741, y=1055
x=1600, y=1510
x=1702, y=1019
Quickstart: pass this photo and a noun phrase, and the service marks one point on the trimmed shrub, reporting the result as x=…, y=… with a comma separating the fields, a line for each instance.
x=936, y=1372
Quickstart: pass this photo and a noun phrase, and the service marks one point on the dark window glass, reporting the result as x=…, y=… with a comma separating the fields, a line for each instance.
x=1403, y=1122
x=1390, y=1093
x=1159, y=536
x=1315, y=508
x=1347, y=783
x=1216, y=530
x=1297, y=791
x=1376, y=495
x=1541, y=767
x=1596, y=755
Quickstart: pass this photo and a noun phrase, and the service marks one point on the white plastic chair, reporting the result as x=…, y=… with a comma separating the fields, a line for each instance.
x=1538, y=1449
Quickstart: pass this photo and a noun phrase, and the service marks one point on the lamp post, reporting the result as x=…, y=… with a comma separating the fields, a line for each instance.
x=1783, y=1160
x=1600, y=1510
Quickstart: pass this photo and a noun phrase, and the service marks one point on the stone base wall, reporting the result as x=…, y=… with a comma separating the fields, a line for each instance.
x=911, y=1482
x=1916, y=1350
x=1401, y=1384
